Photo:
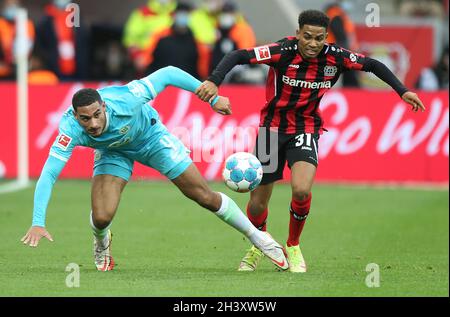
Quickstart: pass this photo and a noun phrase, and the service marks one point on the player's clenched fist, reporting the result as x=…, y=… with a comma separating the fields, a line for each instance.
x=222, y=106
x=34, y=235
x=207, y=91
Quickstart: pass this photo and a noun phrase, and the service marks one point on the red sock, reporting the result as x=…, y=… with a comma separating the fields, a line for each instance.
x=260, y=220
x=299, y=211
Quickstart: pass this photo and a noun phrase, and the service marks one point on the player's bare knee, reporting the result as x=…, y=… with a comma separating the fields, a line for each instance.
x=257, y=207
x=101, y=221
x=300, y=193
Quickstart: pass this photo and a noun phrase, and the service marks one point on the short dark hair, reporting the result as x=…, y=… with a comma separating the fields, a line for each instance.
x=313, y=17
x=85, y=97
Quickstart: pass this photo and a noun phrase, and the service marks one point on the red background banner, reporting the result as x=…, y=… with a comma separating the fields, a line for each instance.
x=372, y=136
x=406, y=50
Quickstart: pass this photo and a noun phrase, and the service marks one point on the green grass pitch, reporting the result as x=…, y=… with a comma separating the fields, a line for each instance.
x=165, y=245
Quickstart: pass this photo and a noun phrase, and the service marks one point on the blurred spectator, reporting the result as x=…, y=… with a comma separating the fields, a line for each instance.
x=39, y=73
x=235, y=33
x=64, y=46
x=142, y=24
x=204, y=21
x=422, y=8
x=108, y=57
x=8, y=37
x=341, y=31
x=178, y=47
x=435, y=78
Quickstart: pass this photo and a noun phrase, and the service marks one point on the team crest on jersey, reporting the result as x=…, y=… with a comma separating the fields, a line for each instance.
x=64, y=141
x=330, y=70
x=124, y=130
x=262, y=53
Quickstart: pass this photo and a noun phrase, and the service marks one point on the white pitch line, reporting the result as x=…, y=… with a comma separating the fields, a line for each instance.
x=13, y=187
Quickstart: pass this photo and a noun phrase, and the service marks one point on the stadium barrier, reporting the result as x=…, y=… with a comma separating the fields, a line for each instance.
x=372, y=135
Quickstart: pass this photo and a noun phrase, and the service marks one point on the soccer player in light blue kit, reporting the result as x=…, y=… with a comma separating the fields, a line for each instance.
x=123, y=128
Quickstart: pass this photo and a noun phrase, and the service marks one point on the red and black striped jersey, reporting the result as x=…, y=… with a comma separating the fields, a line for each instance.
x=295, y=86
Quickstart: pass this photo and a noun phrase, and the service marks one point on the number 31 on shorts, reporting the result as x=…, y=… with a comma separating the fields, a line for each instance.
x=301, y=139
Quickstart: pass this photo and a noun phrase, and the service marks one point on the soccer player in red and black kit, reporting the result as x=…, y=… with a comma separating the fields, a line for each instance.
x=302, y=69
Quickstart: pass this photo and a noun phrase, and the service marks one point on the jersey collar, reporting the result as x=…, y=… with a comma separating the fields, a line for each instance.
x=107, y=121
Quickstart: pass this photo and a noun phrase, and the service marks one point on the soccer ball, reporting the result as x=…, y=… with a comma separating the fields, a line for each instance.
x=242, y=172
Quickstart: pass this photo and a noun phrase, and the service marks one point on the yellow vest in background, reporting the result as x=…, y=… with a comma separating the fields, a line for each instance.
x=203, y=25
x=145, y=21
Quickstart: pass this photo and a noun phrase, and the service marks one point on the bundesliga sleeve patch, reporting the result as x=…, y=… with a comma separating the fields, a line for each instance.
x=63, y=141
x=353, y=57
x=262, y=53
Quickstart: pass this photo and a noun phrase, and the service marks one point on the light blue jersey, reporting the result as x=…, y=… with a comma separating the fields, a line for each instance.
x=133, y=132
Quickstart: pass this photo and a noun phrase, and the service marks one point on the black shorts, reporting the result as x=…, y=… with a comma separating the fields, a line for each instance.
x=273, y=149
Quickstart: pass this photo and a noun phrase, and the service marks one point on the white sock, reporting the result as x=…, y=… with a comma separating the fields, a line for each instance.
x=101, y=235
x=259, y=238
x=232, y=215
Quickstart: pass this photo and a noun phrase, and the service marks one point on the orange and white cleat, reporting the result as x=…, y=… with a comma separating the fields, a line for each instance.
x=102, y=254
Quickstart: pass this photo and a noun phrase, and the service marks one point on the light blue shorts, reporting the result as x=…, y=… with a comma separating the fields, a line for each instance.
x=163, y=152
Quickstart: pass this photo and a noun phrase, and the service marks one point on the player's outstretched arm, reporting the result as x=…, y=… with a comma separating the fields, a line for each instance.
x=209, y=88
x=172, y=76
x=383, y=72
x=52, y=168
x=157, y=81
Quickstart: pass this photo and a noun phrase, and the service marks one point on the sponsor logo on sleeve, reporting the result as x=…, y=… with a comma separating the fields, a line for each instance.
x=262, y=53
x=63, y=141
x=353, y=58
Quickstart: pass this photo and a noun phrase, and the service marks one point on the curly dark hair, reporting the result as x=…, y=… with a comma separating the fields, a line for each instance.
x=313, y=17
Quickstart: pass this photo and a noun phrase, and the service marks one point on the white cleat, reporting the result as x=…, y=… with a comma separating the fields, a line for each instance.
x=102, y=254
x=273, y=250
